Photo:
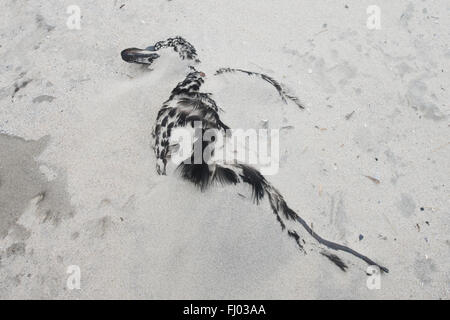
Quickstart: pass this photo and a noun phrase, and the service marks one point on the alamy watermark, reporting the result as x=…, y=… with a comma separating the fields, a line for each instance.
x=74, y=278
x=259, y=147
x=374, y=19
x=373, y=281
x=73, y=22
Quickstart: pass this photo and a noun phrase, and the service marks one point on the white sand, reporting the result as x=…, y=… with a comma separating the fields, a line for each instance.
x=83, y=126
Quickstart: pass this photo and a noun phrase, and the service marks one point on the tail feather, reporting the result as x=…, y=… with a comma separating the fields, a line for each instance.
x=255, y=179
x=203, y=175
x=198, y=174
x=225, y=175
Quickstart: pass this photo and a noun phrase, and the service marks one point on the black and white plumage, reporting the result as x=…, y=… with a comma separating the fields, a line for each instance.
x=180, y=45
x=188, y=104
x=148, y=55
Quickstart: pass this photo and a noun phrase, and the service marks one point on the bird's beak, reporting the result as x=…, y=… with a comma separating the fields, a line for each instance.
x=141, y=56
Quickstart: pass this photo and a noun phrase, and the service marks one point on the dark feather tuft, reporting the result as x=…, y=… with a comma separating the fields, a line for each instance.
x=296, y=237
x=198, y=174
x=336, y=260
x=225, y=175
x=255, y=179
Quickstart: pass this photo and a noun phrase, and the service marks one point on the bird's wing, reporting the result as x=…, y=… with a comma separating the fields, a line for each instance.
x=283, y=91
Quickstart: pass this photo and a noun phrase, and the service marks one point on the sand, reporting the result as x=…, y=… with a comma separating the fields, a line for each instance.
x=367, y=161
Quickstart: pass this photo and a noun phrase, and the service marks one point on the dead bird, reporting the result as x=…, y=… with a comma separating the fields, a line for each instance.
x=188, y=105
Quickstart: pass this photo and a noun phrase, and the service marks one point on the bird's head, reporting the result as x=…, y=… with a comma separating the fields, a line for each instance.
x=140, y=56
x=183, y=49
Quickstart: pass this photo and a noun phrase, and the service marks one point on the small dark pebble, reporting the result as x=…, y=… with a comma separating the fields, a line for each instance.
x=422, y=208
x=361, y=237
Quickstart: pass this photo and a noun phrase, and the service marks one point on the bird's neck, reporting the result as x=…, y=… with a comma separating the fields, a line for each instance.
x=190, y=85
